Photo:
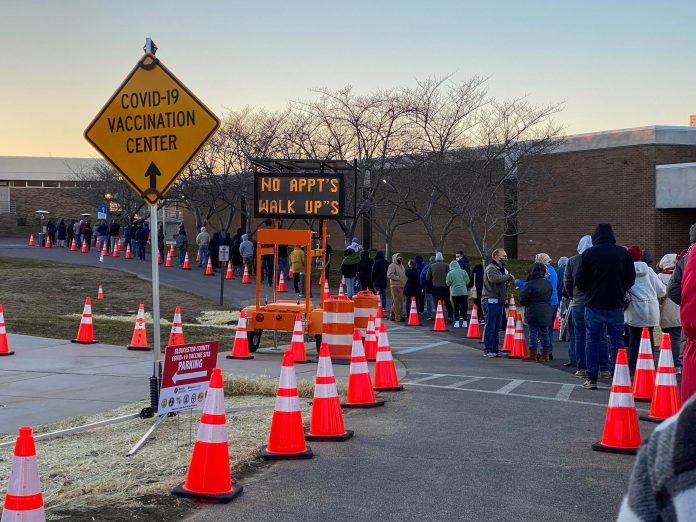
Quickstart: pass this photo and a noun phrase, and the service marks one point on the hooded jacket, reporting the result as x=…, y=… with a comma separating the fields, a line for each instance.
x=379, y=271
x=457, y=279
x=644, y=308
x=365, y=270
x=297, y=260
x=675, y=283
x=203, y=238
x=536, y=297
x=349, y=265
x=246, y=247
x=570, y=276
x=396, y=273
x=606, y=271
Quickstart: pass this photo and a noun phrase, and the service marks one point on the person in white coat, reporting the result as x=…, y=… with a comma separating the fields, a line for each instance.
x=670, y=322
x=643, y=310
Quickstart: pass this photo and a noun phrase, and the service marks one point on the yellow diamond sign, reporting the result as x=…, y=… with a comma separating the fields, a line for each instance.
x=151, y=128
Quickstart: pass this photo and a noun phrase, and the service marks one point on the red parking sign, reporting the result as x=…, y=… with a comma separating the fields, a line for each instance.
x=187, y=370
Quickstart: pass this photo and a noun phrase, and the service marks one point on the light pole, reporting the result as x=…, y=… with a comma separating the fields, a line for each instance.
x=367, y=212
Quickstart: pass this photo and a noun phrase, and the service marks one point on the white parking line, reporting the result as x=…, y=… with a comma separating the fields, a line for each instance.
x=510, y=386
x=424, y=347
x=423, y=379
x=565, y=391
x=465, y=381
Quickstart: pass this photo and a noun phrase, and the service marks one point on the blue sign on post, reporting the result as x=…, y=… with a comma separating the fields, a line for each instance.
x=101, y=211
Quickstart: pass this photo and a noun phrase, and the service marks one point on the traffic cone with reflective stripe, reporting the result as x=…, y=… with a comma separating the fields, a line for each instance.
x=291, y=274
x=644, y=378
x=159, y=256
x=327, y=292
x=509, y=341
x=105, y=250
x=31, y=240
x=439, y=325
x=171, y=253
x=24, y=501
x=176, y=336
x=168, y=263
x=209, y=478
x=73, y=245
x=4, y=345
x=665, y=400
x=413, y=319
x=139, y=339
x=326, y=422
x=371, y=340
x=229, y=274
x=85, y=335
x=240, y=347
x=245, y=276
x=97, y=243
x=360, y=391
x=297, y=345
x=120, y=245
x=341, y=292
x=511, y=304
x=209, y=268
x=100, y=292
x=380, y=310
x=129, y=254
x=557, y=321
x=286, y=441
x=84, y=247
x=198, y=257
x=385, y=371
x=281, y=284
x=621, y=433
x=48, y=242
x=187, y=262
x=474, y=331
x=519, y=348
x=115, y=253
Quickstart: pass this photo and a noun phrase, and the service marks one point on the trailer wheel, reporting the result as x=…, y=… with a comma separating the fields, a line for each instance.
x=254, y=338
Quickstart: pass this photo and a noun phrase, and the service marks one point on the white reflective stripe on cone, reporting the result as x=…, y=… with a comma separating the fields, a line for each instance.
x=358, y=367
x=621, y=375
x=645, y=364
x=325, y=391
x=666, y=359
x=297, y=338
x=241, y=323
x=324, y=368
x=358, y=349
x=287, y=404
x=621, y=400
x=214, y=402
x=213, y=433
x=2, y=329
x=338, y=339
x=666, y=379
x=25, y=472
x=240, y=335
x=177, y=329
x=287, y=378
x=339, y=317
x=86, y=320
x=31, y=515
x=645, y=346
x=383, y=356
x=2, y=317
x=365, y=312
x=87, y=310
x=177, y=318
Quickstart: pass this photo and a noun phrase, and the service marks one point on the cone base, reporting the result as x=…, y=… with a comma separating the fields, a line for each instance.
x=598, y=446
x=239, y=357
x=641, y=399
x=415, y=324
x=3, y=354
x=210, y=274
x=330, y=438
x=389, y=389
x=139, y=348
x=365, y=405
x=439, y=330
x=189, y=268
x=267, y=455
x=220, y=498
x=516, y=356
x=83, y=342
x=648, y=418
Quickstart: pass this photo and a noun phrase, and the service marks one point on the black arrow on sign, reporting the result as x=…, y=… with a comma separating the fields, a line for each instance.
x=152, y=172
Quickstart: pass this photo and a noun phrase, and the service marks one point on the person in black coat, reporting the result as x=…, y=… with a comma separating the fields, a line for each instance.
x=412, y=288
x=538, y=314
x=214, y=250
x=379, y=277
x=365, y=271
x=477, y=282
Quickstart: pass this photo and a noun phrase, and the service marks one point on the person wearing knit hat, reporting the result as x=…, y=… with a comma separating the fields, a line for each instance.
x=643, y=310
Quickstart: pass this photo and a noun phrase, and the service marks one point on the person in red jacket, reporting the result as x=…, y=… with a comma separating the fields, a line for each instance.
x=687, y=313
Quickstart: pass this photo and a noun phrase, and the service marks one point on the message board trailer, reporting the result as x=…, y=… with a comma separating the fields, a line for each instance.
x=305, y=195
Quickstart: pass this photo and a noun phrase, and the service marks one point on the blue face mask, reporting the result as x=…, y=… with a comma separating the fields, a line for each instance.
x=503, y=261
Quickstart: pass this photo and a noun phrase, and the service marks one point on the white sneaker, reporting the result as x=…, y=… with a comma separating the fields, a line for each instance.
x=464, y=324
x=456, y=324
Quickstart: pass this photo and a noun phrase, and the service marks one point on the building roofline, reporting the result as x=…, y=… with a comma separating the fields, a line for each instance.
x=650, y=135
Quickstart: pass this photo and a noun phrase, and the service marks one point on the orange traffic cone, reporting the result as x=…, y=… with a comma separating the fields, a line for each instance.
x=176, y=336
x=511, y=304
x=48, y=242
x=644, y=378
x=360, y=391
x=129, y=254
x=105, y=250
x=297, y=345
x=187, y=263
x=85, y=334
x=474, y=332
x=171, y=253
x=229, y=274
x=557, y=321
x=209, y=268
x=31, y=240
x=100, y=292
x=240, y=347
x=97, y=243
x=385, y=371
x=341, y=292
x=84, y=247
x=519, y=348
x=286, y=439
x=198, y=257
x=120, y=246
x=168, y=263
x=139, y=339
x=509, y=340
x=281, y=284
x=665, y=400
x=245, y=276
x=326, y=423
x=327, y=292
x=370, y=340
x=208, y=478
x=4, y=345
x=24, y=501
x=115, y=253
x=621, y=433
x=413, y=319
x=291, y=274
x=439, y=325
x=73, y=245
x=380, y=310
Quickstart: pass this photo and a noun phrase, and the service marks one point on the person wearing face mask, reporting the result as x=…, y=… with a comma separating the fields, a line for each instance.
x=437, y=275
x=396, y=274
x=495, y=281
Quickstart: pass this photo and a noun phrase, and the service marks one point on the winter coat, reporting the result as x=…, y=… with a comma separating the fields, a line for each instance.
x=675, y=283
x=438, y=274
x=246, y=247
x=457, y=279
x=379, y=271
x=536, y=298
x=349, y=265
x=203, y=238
x=61, y=231
x=606, y=272
x=669, y=310
x=396, y=274
x=365, y=270
x=552, y=277
x=464, y=265
x=495, y=281
x=425, y=283
x=182, y=241
x=297, y=260
x=643, y=308
x=687, y=314
x=412, y=287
